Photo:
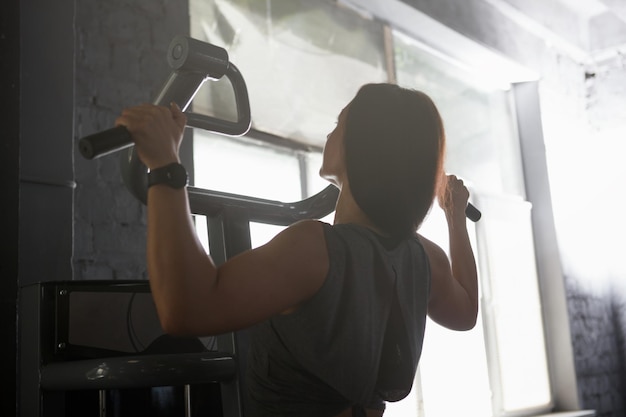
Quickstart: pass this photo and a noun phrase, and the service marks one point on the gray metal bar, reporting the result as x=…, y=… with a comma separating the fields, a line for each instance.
x=30, y=352
x=102, y=398
x=211, y=203
x=229, y=234
x=187, y=400
x=138, y=371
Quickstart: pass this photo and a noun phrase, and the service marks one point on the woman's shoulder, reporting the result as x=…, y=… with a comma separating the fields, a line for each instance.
x=303, y=239
x=304, y=228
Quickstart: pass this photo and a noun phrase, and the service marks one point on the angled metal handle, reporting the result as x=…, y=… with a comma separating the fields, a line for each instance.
x=225, y=127
x=192, y=62
x=134, y=171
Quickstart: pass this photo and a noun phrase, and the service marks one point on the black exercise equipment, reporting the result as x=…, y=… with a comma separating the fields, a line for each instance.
x=85, y=339
x=193, y=62
x=56, y=364
x=59, y=359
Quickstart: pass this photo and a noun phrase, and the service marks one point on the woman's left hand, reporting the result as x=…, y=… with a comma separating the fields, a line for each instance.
x=157, y=132
x=454, y=199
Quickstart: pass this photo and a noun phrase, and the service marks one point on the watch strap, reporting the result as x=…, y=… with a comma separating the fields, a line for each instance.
x=173, y=175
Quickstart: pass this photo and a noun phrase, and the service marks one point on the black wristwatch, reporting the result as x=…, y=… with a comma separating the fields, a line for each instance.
x=173, y=175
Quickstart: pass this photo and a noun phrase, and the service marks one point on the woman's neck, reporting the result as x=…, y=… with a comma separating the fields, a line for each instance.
x=348, y=211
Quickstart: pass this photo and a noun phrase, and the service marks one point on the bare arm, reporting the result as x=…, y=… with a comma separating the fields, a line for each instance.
x=191, y=294
x=194, y=297
x=453, y=301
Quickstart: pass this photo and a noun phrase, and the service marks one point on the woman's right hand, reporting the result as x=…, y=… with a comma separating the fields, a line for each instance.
x=157, y=132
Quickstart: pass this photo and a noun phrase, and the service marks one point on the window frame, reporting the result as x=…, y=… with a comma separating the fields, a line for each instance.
x=558, y=370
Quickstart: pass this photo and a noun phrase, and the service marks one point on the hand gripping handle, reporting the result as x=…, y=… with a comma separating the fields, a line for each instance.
x=193, y=62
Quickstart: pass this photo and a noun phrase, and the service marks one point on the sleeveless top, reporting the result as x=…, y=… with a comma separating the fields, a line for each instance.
x=356, y=342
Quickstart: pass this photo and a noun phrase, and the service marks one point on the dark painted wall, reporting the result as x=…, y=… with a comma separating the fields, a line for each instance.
x=120, y=61
x=68, y=69
x=9, y=209
x=46, y=115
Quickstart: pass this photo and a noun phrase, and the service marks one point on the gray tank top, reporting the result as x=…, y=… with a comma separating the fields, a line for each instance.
x=357, y=341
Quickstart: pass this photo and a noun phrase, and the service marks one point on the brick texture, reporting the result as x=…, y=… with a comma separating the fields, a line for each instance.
x=120, y=61
x=598, y=322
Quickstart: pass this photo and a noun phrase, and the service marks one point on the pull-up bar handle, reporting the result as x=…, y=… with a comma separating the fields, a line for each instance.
x=192, y=62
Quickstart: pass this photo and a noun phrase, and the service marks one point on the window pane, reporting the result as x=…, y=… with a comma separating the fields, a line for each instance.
x=315, y=183
x=453, y=361
x=235, y=165
x=482, y=144
x=240, y=166
x=260, y=233
x=302, y=61
x=511, y=298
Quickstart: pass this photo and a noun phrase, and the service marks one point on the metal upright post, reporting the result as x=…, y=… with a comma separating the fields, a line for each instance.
x=37, y=338
x=229, y=235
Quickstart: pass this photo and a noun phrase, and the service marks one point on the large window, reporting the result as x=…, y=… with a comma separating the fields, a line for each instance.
x=303, y=60
x=503, y=359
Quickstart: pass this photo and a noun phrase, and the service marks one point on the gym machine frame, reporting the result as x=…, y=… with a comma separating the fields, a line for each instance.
x=46, y=372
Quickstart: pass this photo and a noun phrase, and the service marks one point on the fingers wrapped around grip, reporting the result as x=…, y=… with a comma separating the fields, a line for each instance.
x=157, y=132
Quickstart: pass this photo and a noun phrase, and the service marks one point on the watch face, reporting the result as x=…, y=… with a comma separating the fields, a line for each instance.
x=173, y=175
x=178, y=176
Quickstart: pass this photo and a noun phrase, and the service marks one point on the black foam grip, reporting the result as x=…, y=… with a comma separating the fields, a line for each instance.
x=472, y=213
x=105, y=142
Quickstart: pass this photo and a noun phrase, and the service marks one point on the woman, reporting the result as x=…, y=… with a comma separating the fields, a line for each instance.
x=341, y=309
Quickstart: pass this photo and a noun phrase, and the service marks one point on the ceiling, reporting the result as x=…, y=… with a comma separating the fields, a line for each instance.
x=594, y=26
x=586, y=8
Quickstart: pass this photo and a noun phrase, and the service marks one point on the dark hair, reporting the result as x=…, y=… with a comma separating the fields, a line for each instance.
x=394, y=148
